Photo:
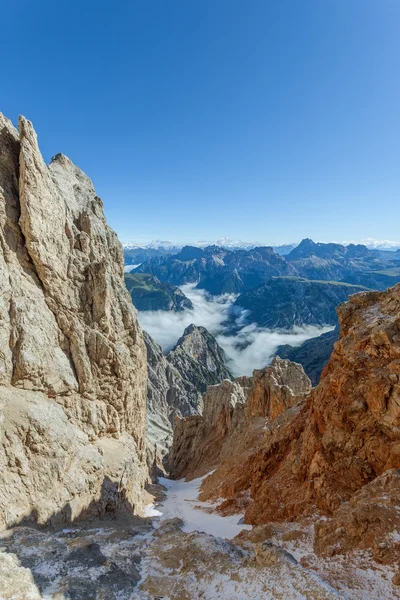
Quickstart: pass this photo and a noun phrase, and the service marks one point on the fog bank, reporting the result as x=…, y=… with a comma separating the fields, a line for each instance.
x=251, y=348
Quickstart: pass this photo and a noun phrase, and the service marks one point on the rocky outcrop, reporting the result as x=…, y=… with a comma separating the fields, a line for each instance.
x=234, y=415
x=276, y=388
x=368, y=521
x=198, y=440
x=72, y=361
x=200, y=361
x=176, y=383
x=285, y=302
x=149, y=293
x=313, y=354
x=317, y=454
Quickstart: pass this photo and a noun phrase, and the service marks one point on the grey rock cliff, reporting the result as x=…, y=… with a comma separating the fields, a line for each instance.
x=72, y=361
x=176, y=383
x=198, y=356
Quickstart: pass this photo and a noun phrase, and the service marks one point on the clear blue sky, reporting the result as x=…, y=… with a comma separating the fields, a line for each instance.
x=266, y=120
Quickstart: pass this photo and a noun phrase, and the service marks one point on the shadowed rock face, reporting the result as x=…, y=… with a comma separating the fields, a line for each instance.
x=72, y=361
x=198, y=439
x=199, y=357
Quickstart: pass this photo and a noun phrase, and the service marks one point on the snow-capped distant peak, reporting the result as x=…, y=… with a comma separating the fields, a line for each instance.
x=225, y=242
x=155, y=245
x=375, y=244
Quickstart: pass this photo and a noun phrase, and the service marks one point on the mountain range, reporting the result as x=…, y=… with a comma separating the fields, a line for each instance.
x=218, y=270
x=225, y=242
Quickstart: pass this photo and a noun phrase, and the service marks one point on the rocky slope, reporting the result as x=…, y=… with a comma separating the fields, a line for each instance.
x=72, y=361
x=335, y=453
x=313, y=354
x=149, y=293
x=284, y=302
x=144, y=560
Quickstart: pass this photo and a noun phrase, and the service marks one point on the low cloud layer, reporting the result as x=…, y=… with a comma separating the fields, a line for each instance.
x=252, y=348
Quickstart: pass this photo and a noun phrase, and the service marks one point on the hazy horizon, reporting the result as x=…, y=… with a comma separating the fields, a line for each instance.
x=222, y=241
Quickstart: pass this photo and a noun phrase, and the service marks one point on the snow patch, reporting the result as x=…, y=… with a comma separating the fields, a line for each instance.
x=182, y=502
x=150, y=511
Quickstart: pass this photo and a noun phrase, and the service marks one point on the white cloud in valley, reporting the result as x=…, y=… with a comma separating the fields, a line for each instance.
x=251, y=348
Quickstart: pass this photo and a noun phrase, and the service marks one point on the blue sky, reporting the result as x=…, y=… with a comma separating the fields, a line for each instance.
x=254, y=119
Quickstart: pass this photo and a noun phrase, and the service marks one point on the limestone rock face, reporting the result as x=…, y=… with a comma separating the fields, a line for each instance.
x=198, y=355
x=176, y=382
x=70, y=342
x=198, y=439
x=226, y=427
x=276, y=388
x=159, y=426
x=348, y=431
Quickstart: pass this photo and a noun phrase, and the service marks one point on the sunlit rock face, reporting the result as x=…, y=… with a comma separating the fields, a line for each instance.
x=72, y=360
x=235, y=412
x=276, y=388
